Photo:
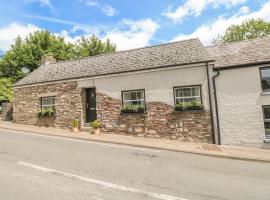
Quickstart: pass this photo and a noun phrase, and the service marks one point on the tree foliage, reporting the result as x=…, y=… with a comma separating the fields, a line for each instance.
x=93, y=46
x=6, y=89
x=250, y=29
x=27, y=53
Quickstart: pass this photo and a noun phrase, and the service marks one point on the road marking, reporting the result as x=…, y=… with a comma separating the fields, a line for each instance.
x=101, y=183
x=89, y=142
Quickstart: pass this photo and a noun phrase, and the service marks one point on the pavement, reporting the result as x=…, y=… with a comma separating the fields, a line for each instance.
x=38, y=166
x=231, y=152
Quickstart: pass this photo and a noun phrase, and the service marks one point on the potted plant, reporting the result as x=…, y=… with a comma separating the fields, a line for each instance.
x=75, y=125
x=96, y=125
x=46, y=113
x=133, y=109
x=195, y=105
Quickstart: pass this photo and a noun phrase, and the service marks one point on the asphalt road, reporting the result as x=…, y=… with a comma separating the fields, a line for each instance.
x=50, y=168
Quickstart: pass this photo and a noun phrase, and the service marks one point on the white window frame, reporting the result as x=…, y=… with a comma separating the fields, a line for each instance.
x=187, y=97
x=44, y=102
x=128, y=101
x=265, y=120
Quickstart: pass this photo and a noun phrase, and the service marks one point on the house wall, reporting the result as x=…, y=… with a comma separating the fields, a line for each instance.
x=240, y=103
x=68, y=104
x=160, y=120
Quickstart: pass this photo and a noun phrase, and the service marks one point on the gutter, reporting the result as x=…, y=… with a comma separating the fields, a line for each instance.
x=228, y=67
x=210, y=102
x=216, y=105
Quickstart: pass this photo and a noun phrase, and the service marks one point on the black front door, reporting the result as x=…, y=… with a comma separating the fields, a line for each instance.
x=91, y=114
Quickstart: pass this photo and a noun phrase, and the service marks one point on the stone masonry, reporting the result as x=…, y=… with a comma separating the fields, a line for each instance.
x=159, y=121
x=68, y=104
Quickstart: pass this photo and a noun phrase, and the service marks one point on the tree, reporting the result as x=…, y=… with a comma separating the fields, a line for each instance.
x=93, y=46
x=250, y=29
x=6, y=89
x=28, y=53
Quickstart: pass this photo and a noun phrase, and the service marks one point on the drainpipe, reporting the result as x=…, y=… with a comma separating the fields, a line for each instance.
x=216, y=106
x=210, y=103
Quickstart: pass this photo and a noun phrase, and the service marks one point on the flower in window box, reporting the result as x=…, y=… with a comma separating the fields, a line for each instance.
x=193, y=105
x=133, y=109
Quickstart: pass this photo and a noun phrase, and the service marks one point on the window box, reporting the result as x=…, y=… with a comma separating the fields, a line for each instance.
x=133, y=109
x=190, y=108
x=133, y=101
x=188, y=98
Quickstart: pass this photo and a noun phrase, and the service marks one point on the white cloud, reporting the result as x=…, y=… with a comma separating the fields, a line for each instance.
x=10, y=32
x=91, y=2
x=127, y=34
x=44, y=3
x=109, y=10
x=208, y=32
x=195, y=8
x=137, y=34
x=105, y=8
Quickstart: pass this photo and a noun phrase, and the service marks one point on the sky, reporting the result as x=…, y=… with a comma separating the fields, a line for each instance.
x=127, y=23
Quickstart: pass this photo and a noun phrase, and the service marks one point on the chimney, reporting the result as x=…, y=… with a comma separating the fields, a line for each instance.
x=47, y=59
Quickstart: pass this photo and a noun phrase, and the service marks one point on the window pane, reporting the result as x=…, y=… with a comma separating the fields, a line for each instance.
x=265, y=73
x=133, y=98
x=187, y=92
x=133, y=95
x=266, y=112
x=267, y=129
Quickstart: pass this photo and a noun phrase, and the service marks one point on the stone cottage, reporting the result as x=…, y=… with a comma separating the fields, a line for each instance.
x=181, y=90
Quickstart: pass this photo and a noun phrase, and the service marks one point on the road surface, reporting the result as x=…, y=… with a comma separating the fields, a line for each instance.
x=43, y=167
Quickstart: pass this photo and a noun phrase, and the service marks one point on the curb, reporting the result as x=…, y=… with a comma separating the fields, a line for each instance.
x=145, y=146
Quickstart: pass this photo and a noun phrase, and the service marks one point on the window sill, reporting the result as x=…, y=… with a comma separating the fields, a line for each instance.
x=186, y=111
x=128, y=113
x=265, y=93
x=267, y=140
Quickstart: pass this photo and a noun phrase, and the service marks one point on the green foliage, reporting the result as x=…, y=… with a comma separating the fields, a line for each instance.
x=6, y=89
x=133, y=109
x=191, y=104
x=46, y=113
x=74, y=123
x=95, y=124
x=250, y=29
x=28, y=53
x=93, y=46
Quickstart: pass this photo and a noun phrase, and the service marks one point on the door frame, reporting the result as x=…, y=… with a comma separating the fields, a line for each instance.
x=87, y=120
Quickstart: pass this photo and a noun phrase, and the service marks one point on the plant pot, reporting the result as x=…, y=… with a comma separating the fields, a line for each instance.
x=75, y=129
x=97, y=131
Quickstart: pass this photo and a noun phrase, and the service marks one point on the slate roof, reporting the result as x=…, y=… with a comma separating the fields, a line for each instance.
x=241, y=53
x=177, y=53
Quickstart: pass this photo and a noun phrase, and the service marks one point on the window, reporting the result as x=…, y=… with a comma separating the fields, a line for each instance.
x=47, y=102
x=265, y=79
x=187, y=94
x=266, y=113
x=133, y=98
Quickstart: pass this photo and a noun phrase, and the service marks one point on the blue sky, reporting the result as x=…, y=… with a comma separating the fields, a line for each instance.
x=128, y=23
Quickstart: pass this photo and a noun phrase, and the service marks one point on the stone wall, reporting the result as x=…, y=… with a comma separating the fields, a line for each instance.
x=159, y=121
x=68, y=104
x=7, y=111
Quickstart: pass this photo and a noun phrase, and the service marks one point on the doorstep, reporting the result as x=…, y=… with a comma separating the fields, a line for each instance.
x=232, y=152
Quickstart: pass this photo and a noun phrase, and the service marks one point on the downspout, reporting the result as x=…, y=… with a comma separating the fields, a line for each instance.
x=210, y=103
x=216, y=106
